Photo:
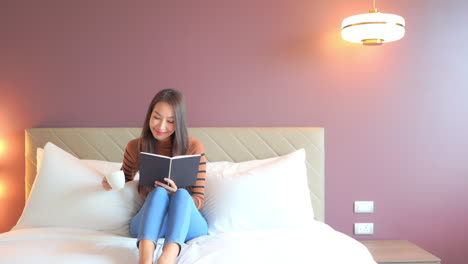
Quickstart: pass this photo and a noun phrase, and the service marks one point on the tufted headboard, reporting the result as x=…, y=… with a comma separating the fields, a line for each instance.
x=234, y=144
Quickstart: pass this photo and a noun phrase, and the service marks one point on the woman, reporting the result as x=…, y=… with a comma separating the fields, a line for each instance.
x=168, y=211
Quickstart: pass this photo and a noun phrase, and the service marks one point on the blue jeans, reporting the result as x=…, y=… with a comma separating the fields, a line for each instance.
x=173, y=217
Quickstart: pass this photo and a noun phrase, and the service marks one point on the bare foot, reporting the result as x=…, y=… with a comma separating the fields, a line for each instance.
x=146, y=251
x=169, y=253
x=166, y=259
x=142, y=261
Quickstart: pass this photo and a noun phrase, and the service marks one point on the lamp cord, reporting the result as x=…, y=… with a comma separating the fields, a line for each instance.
x=374, y=4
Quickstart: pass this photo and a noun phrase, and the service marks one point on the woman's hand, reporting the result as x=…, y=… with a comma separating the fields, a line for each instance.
x=105, y=184
x=171, y=187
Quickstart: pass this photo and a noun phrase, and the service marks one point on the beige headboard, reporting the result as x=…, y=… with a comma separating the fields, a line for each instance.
x=221, y=144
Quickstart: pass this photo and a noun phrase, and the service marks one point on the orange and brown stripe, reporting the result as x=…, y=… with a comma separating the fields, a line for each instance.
x=198, y=190
x=131, y=161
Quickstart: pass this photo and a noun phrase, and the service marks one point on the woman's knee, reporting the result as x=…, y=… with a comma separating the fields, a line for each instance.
x=159, y=192
x=181, y=194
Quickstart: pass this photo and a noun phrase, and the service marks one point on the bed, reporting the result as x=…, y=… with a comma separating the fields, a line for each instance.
x=264, y=200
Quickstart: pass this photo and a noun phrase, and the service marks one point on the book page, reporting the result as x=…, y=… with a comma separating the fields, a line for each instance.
x=153, y=168
x=184, y=171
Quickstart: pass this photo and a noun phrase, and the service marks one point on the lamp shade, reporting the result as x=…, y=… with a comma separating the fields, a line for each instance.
x=373, y=28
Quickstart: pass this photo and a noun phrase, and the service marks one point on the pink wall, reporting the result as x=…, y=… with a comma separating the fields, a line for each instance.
x=395, y=116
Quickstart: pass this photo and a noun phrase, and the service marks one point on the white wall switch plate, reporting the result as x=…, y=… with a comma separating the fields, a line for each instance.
x=364, y=207
x=363, y=228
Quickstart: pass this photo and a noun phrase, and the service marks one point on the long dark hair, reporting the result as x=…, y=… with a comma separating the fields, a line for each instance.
x=180, y=135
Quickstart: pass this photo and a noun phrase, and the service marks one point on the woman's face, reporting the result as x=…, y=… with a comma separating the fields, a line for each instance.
x=162, y=121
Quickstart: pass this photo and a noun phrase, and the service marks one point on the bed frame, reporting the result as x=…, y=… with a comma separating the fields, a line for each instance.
x=234, y=144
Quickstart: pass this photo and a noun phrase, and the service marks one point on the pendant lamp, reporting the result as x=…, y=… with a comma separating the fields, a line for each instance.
x=373, y=28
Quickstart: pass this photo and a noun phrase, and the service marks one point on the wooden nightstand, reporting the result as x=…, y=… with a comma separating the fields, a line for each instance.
x=399, y=252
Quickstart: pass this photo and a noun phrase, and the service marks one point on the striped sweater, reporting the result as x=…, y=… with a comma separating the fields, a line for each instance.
x=131, y=163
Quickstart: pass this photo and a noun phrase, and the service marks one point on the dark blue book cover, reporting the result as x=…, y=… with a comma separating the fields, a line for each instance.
x=183, y=170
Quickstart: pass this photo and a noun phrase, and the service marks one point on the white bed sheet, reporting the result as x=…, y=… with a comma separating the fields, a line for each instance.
x=65, y=245
x=319, y=244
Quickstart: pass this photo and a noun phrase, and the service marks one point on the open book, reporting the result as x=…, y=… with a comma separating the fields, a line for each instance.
x=183, y=170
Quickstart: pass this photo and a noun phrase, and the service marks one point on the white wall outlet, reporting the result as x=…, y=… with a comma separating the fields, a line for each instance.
x=364, y=207
x=363, y=228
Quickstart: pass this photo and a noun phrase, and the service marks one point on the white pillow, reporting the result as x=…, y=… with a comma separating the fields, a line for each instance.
x=105, y=167
x=258, y=194
x=68, y=193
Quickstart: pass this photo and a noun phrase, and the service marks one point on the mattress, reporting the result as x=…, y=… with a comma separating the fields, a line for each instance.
x=318, y=244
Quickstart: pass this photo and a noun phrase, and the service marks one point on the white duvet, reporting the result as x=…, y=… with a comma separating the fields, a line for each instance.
x=319, y=244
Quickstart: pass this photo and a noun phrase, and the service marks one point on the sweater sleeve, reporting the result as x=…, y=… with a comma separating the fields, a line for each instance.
x=130, y=164
x=197, y=191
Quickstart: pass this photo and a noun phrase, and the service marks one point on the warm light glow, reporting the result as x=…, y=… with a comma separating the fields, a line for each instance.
x=373, y=28
x=2, y=147
x=2, y=189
